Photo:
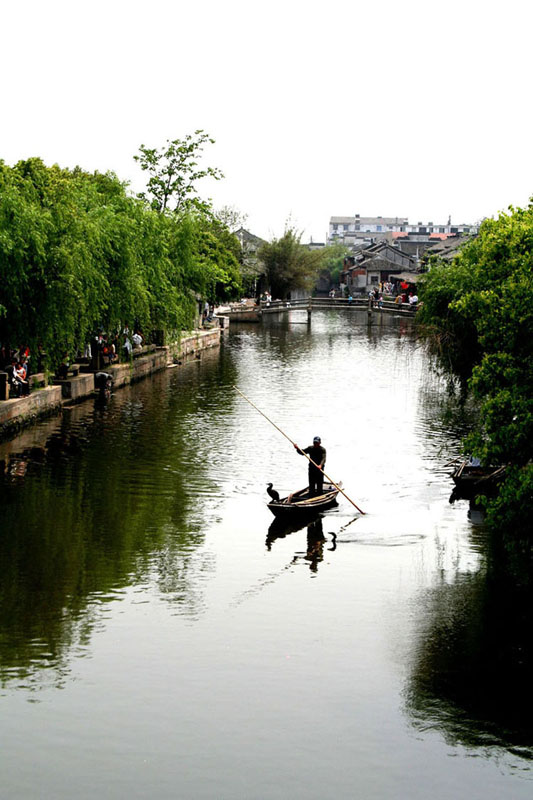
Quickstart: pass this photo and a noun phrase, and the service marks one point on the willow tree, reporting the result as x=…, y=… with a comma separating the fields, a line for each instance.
x=78, y=253
x=217, y=253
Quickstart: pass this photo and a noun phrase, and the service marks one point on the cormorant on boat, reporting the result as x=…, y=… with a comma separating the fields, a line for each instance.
x=273, y=494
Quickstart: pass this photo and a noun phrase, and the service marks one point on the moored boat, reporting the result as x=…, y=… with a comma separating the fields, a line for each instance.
x=471, y=479
x=300, y=503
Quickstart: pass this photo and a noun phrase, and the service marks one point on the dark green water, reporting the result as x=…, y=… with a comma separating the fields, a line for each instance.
x=159, y=639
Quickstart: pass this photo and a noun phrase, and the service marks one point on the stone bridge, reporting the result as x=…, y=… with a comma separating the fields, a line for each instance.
x=310, y=303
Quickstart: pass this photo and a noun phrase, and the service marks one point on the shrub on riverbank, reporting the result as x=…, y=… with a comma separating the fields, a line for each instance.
x=478, y=310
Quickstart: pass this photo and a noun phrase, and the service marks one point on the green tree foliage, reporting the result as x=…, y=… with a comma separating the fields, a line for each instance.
x=171, y=191
x=217, y=253
x=288, y=264
x=77, y=252
x=481, y=306
x=332, y=263
x=173, y=173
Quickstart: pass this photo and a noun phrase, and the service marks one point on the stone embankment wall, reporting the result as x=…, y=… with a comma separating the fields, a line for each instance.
x=190, y=345
x=17, y=413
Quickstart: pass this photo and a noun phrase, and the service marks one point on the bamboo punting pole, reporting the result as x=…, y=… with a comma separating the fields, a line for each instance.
x=301, y=451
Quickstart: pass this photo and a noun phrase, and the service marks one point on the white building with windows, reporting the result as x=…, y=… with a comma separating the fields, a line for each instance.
x=349, y=230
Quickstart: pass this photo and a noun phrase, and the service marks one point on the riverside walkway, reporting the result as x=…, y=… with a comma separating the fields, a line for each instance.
x=18, y=412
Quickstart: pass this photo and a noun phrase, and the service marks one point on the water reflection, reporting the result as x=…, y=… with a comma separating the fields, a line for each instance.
x=316, y=539
x=96, y=501
x=156, y=501
x=315, y=545
x=471, y=676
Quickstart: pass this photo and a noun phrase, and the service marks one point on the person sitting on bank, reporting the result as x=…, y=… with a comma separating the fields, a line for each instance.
x=137, y=340
x=12, y=377
x=62, y=370
x=107, y=351
x=126, y=347
x=317, y=454
x=23, y=386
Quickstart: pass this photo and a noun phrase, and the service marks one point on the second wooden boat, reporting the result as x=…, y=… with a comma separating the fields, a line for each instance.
x=471, y=480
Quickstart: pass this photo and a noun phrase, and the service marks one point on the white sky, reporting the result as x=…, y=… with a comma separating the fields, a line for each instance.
x=416, y=108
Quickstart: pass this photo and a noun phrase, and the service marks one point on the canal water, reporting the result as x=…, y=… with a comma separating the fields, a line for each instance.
x=160, y=638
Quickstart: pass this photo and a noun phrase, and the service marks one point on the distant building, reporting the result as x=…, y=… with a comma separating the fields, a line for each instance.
x=250, y=243
x=251, y=268
x=357, y=227
x=352, y=230
x=379, y=262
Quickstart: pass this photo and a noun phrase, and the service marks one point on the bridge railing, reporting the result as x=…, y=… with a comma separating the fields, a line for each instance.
x=360, y=301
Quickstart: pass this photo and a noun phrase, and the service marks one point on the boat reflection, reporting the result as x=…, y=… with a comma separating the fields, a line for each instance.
x=281, y=528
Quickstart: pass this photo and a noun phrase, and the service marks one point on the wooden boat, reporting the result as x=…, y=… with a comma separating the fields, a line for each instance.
x=471, y=480
x=300, y=504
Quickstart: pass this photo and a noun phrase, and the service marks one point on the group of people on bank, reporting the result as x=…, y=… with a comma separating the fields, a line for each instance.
x=109, y=348
x=102, y=350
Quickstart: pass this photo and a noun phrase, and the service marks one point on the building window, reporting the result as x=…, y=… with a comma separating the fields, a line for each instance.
x=379, y=227
x=345, y=227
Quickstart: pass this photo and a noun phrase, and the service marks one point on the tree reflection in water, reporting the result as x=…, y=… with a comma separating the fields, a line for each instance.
x=472, y=674
x=101, y=504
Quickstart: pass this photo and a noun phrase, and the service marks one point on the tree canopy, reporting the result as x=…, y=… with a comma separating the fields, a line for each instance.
x=174, y=171
x=77, y=252
x=332, y=263
x=478, y=311
x=288, y=264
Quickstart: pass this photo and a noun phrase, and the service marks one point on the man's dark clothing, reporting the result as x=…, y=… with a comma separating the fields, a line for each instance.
x=316, y=453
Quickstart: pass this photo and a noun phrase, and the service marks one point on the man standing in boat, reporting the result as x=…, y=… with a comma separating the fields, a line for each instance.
x=317, y=454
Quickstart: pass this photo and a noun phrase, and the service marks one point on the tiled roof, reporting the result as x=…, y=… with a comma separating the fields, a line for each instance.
x=246, y=236
x=448, y=247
